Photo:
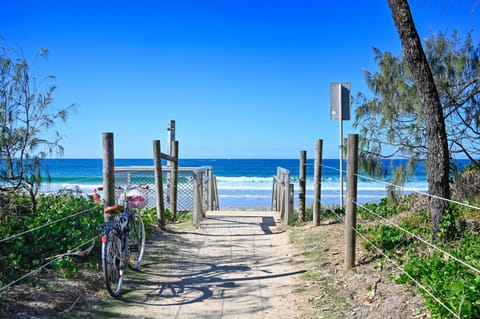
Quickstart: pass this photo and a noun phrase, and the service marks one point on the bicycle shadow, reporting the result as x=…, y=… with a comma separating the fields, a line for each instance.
x=175, y=273
x=187, y=289
x=173, y=279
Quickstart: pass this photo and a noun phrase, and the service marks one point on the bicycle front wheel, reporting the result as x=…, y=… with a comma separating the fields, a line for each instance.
x=136, y=241
x=112, y=265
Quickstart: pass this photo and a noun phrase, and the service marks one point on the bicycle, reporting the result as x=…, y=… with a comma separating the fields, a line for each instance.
x=123, y=241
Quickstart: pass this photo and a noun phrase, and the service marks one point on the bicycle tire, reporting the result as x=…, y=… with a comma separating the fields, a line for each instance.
x=136, y=241
x=113, y=273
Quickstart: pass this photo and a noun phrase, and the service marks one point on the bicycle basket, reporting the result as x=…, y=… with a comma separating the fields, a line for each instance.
x=135, y=199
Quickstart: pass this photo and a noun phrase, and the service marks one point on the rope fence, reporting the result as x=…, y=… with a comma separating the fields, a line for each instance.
x=470, y=265
x=43, y=226
x=55, y=259
x=52, y=259
x=389, y=259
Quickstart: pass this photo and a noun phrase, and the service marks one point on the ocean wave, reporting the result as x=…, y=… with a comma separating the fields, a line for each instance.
x=244, y=196
x=244, y=179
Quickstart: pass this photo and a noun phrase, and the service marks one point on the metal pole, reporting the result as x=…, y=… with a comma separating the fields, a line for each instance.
x=341, y=144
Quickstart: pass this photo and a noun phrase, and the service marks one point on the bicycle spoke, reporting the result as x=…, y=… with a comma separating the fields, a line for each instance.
x=136, y=241
x=112, y=266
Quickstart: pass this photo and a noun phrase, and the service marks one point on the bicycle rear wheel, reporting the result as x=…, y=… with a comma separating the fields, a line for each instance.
x=136, y=241
x=112, y=265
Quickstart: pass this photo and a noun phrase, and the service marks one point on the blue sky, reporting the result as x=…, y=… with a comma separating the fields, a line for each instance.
x=241, y=78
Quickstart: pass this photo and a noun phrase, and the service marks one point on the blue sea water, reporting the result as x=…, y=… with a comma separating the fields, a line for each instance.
x=242, y=183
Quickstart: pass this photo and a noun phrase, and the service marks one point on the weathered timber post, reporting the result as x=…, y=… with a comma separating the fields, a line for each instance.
x=108, y=173
x=197, y=210
x=171, y=136
x=317, y=183
x=174, y=181
x=273, y=205
x=290, y=200
x=351, y=205
x=286, y=194
x=302, y=181
x=209, y=189
x=279, y=193
x=157, y=161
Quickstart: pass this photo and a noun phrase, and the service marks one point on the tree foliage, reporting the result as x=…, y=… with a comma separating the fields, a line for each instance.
x=392, y=123
x=438, y=157
x=27, y=113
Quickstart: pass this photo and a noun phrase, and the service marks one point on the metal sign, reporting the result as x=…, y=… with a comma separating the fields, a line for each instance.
x=340, y=101
x=340, y=105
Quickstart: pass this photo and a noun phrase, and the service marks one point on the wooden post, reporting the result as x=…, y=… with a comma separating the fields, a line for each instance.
x=108, y=173
x=290, y=202
x=174, y=182
x=302, y=181
x=157, y=161
x=171, y=136
x=317, y=183
x=351, y=206
x=286, y=201
x=196, y=199
x=278, y=191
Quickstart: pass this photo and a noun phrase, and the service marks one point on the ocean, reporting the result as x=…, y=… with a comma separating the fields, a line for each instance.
x=242, y=183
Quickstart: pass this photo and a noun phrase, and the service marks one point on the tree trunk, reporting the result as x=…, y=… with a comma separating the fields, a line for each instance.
x=438, y=160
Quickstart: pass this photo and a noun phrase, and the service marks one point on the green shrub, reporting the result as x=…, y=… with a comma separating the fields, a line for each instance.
x=385, y=237
x=385, y=208
x=42, y=244
x=457, y=286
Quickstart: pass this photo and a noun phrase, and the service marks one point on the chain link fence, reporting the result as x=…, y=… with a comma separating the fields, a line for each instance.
x=134, y=176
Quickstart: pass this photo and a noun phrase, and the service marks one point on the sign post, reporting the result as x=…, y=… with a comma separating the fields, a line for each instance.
x=340, y=106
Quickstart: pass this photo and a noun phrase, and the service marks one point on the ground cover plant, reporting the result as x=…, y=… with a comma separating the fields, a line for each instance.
x=399, y=228
x=60, y=224
x=447, y=280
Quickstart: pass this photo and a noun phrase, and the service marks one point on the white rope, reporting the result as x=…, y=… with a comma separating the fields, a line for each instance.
x=418, y=192
x=332, y=168
x=420, y=239
x=42, y=226
x=72, y=251
x=408, y=275
x=401, y=269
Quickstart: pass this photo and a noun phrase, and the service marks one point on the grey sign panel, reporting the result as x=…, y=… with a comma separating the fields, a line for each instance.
x=340, y=100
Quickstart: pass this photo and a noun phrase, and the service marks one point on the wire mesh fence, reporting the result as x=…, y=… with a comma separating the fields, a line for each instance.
x=132, y=176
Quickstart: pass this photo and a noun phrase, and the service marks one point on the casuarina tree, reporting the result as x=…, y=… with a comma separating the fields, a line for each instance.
x=27, y=113
x=438, y=161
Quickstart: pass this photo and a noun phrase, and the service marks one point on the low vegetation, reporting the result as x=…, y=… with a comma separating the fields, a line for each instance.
x=59, y=234
x=399, y=229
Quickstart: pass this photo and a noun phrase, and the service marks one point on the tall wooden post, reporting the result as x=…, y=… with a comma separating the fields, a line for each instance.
x=157, y=161
x=108, y=173
x=302, y=181
x=287, y=194
x=317, y=183
x=196, y=199
x=351, y=207
x=171, y=136
x=174, y=181
x=291, y=199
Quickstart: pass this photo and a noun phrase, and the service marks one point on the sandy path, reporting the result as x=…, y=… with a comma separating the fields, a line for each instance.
x=236, y=265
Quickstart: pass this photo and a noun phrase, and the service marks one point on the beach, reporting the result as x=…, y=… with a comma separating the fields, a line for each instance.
x=242, y=183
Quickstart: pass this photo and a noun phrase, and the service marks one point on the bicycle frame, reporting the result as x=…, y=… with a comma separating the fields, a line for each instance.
x=119, y=247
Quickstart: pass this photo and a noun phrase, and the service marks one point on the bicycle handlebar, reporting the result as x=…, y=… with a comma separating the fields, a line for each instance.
x=127, y=188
